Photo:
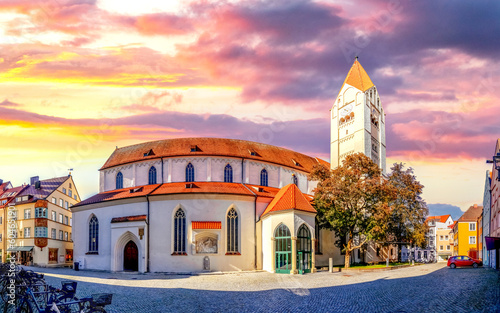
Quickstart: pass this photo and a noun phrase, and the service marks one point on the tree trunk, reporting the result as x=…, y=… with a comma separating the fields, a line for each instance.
x=347, y=259
x=400, y=258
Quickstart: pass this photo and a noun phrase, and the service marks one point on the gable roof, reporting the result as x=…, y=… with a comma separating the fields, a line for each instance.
x=357, y=77
x=180, y=147
x=4, y=186
x=438, y=218
x=289, y=198
x=471, y=214
x=10, y=195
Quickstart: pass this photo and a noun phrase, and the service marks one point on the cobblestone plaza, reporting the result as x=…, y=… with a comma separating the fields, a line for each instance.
x=425, y=288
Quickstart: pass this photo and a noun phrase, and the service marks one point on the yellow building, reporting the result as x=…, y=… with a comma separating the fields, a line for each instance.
x=465, y=232
x=444, y=243
x=37, y=222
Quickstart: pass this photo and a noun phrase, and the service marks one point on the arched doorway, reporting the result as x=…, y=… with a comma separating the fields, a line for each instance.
x=283, y=250
x=304, y=250
x=130, y=257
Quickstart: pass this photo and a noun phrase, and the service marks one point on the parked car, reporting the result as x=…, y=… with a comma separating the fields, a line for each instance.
x=463, y=260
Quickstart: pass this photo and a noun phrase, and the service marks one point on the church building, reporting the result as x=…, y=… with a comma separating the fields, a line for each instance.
x=213, y=204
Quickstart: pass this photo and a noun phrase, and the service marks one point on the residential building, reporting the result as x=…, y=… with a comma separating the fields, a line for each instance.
x=465, y=232
x=38, y=210
x=438, y=238
x=7, y=195
x=494, y=241
x=444, y=243
x=486, y=217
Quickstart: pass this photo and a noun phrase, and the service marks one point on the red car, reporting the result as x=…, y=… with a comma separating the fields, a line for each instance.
x=463, y=260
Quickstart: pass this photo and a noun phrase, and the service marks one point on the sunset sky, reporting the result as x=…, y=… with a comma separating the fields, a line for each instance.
x=80, y=77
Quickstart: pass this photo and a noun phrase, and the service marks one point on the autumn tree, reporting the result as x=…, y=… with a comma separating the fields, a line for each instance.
x=352, y=200
x=408, y=211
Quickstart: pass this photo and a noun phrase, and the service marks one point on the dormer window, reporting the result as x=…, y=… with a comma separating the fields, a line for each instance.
x=133, y=190
x=252, y=153
x=194, y=148
x=149, y=153
x=295, y=162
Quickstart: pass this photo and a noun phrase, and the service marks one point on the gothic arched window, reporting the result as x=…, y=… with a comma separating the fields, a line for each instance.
x=180, y=232
x=232, y=231
x=152, y=175
x=93, y=234
x=119, y=180
x=189, y=173
x=228, y=174
x=263, y=177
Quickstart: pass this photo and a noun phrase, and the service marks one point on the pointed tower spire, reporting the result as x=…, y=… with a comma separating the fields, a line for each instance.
x=357, y=119
x=357, y=77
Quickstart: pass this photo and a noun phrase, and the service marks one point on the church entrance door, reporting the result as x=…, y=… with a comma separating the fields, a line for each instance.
x=130, y=257
x=283, y=249
x=304, y=250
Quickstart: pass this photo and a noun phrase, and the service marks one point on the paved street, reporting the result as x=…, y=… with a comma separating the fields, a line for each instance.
x=426, y=288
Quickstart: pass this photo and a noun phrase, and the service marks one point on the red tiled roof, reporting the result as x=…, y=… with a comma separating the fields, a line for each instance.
x=206, y=225
x=452, y=225
x=211, y=147
x=128, y=218
x=289, y=198
x=441, y=218
x=124, y=193
x=202, y=187
x=180, y=188
x=3, y=186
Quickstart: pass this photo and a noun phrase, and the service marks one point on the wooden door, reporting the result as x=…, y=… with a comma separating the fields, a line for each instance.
x=131, y=257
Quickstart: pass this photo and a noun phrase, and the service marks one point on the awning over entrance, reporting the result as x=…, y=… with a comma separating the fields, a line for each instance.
x=26, y=248
x=205, y=225
x=492, y=243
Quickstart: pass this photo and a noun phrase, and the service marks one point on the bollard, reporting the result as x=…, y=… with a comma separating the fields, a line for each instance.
x=330, y=265
x=387, y=263
x=412, y=262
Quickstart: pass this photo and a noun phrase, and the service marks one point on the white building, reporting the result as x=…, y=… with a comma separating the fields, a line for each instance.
x=176, y=205
x=358, y=120
x=193, y=204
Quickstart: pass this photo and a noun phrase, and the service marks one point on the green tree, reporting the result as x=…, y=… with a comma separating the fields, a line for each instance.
x=405, y=222
x=352, y=200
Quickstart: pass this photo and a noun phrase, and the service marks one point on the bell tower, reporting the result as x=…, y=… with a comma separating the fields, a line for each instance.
x=357, y=120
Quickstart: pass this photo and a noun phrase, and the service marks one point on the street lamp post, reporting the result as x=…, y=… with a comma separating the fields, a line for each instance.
x=496, y=164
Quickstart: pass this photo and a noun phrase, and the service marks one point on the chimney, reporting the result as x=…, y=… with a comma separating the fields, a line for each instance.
x=475, y=206
x=34, y=179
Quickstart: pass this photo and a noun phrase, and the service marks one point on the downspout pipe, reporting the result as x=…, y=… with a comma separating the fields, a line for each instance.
x=147, y=223
x=147, y=246
x=254, y=216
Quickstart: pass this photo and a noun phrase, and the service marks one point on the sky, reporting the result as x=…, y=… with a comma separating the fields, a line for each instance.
x=81, y=77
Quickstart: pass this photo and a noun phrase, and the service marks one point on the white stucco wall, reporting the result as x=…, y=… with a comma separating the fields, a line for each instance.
x=206, y=169
x=104, y=214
